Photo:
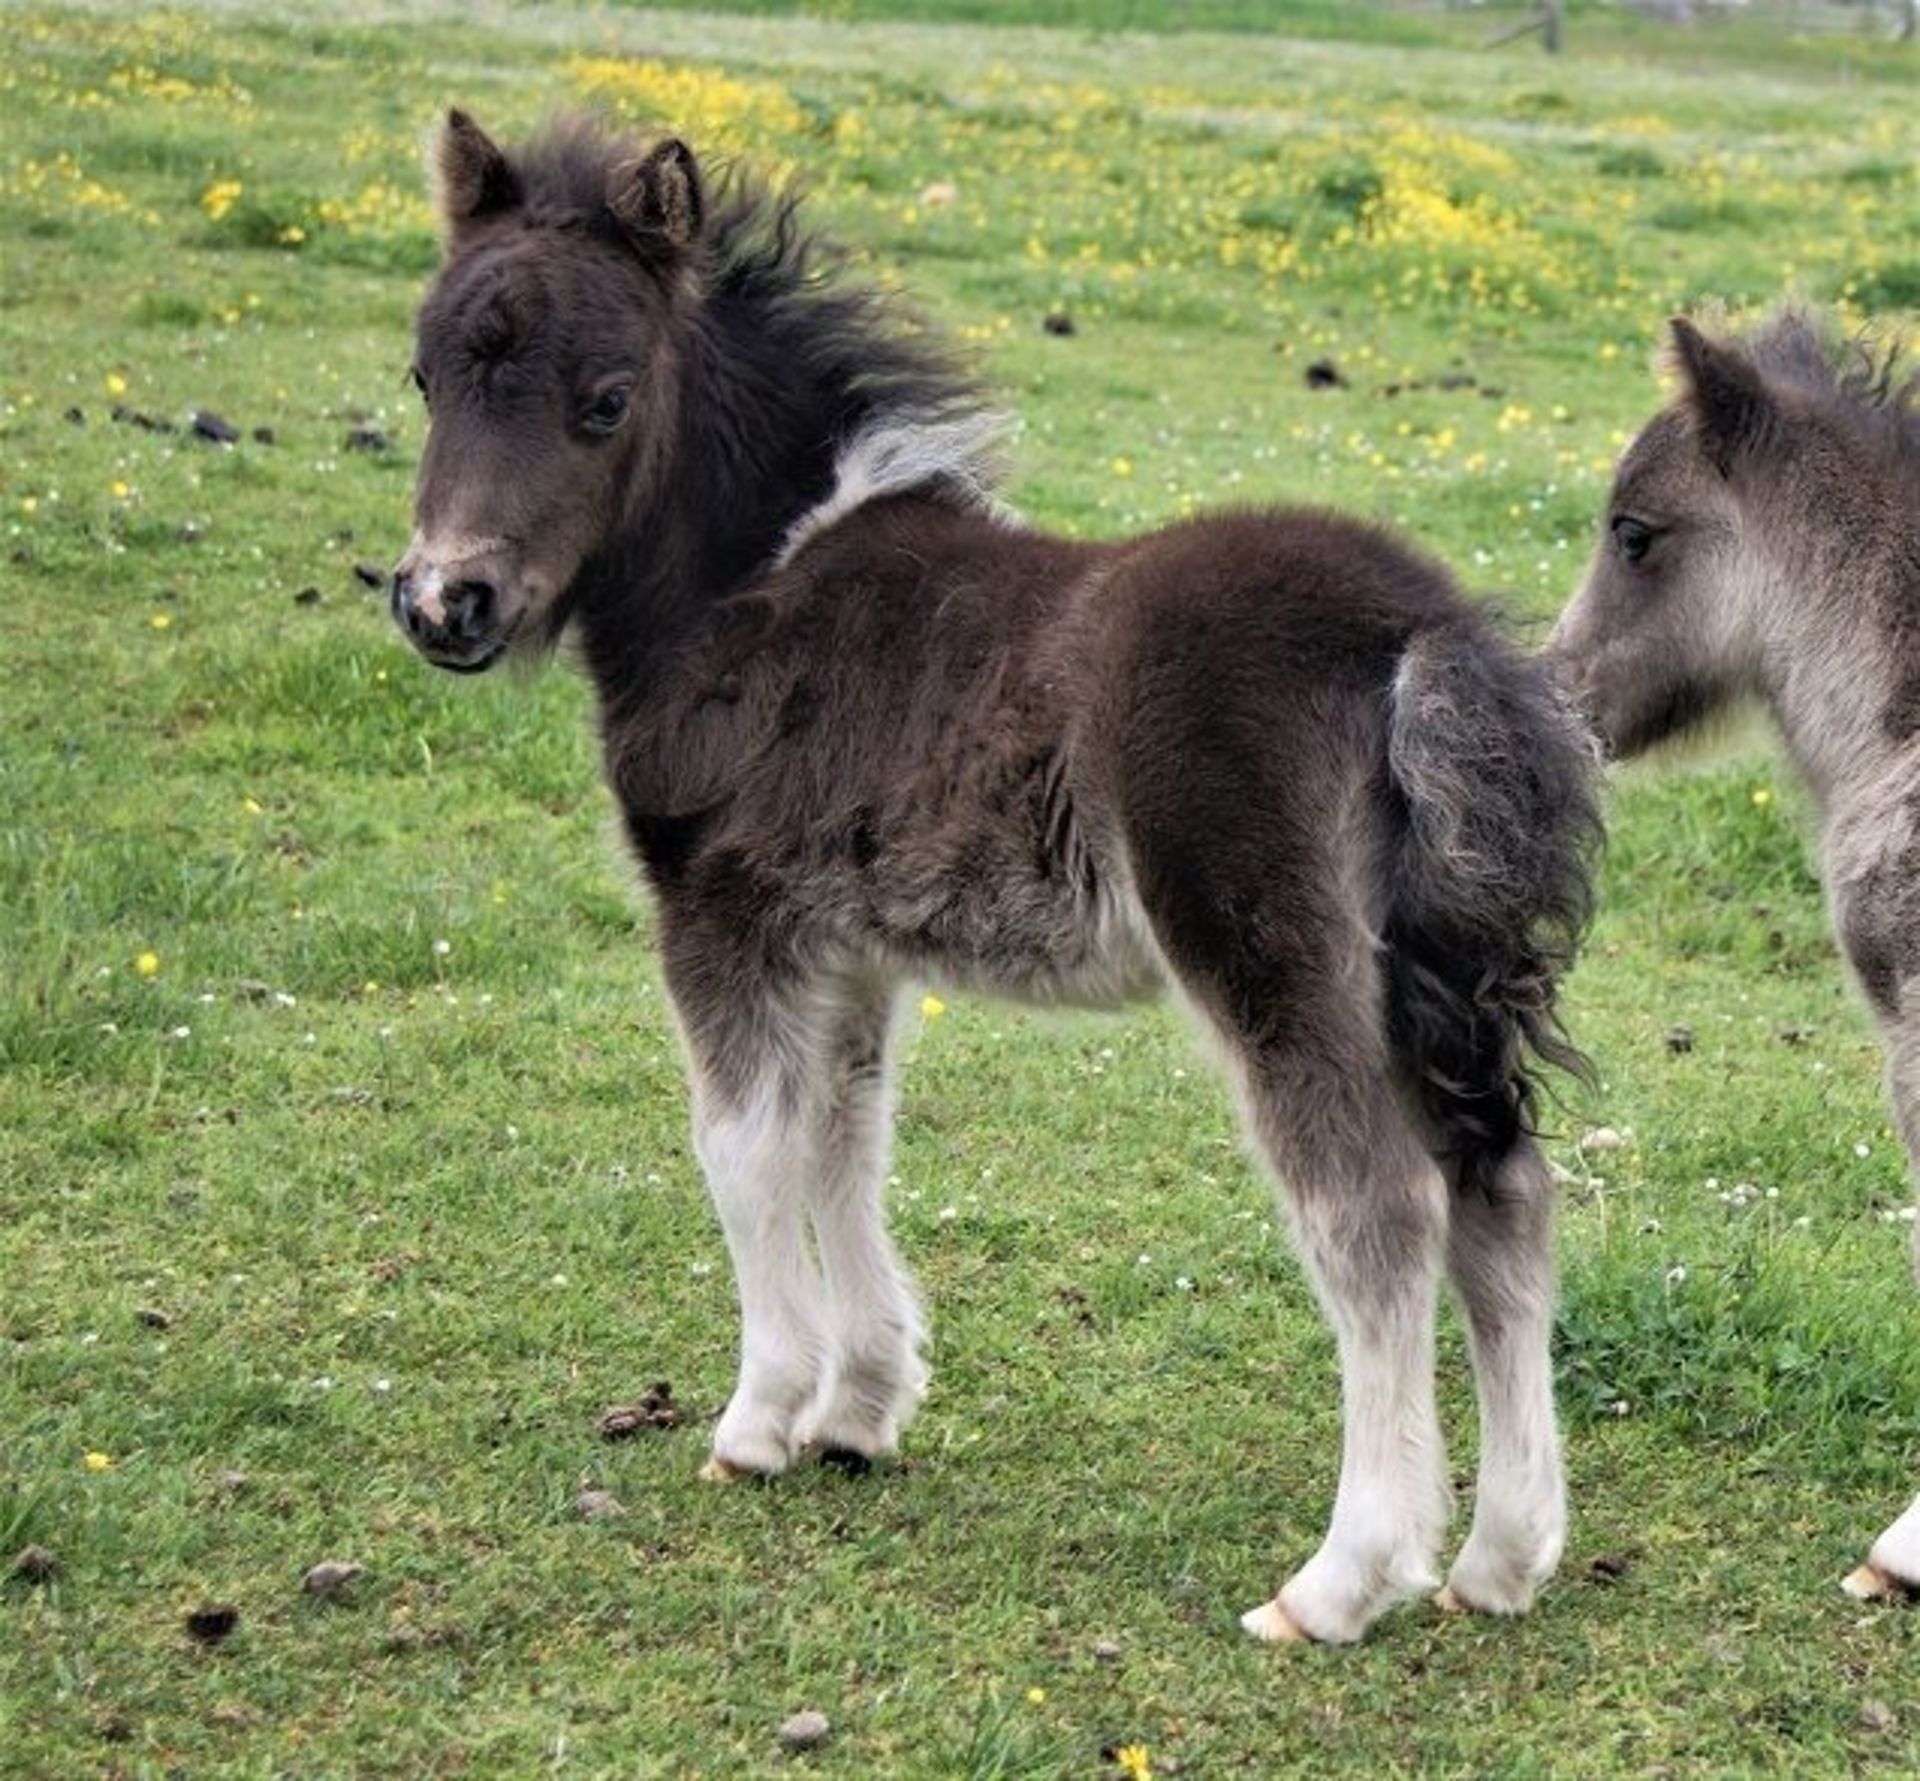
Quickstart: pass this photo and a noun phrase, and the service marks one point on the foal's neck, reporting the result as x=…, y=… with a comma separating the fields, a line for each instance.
x=752, y=451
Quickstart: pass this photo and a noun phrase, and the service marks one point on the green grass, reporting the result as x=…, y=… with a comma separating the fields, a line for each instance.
x=411, y=1215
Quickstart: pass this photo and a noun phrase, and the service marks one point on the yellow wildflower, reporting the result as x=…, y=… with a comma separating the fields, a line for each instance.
x=219, y=197
x=1762, y=797
x=115, y=384
x=932, y=1007
x=1134, y=1762
x=161, y=621
x=147, y=964
x=98, y=1462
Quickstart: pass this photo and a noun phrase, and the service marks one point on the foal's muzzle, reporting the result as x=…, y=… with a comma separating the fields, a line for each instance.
x=456, y=625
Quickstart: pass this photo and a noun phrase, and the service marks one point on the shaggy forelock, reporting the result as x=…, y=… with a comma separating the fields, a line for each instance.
x=757, y=254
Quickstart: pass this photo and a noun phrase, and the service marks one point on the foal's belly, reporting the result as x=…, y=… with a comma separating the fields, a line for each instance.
x=1037, y=943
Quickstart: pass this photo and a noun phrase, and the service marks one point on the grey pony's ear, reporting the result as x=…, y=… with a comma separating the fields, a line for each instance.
x=476, y=179
x=658, y=198
x=1734, y=412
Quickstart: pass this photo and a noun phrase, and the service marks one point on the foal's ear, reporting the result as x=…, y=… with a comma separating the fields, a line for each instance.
x=476, y=179
x=658, y=198
x=1733, y=410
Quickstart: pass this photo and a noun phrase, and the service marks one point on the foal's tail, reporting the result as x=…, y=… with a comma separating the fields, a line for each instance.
x=1491, y=887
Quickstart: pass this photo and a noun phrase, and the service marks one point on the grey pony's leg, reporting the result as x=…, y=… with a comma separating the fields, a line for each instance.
x=874, y=1374
x=1500, y=1258
x=1368, y=1209
x=1893, y=1563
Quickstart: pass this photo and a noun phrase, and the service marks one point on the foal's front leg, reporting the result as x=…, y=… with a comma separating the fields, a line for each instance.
x=1893, y=1565
x=874, y=1374
x=752, y=1068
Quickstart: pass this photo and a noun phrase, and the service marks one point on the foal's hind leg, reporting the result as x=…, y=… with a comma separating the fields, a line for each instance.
x=874, y=1374
x=1500, y=1257
x=1368, y=1209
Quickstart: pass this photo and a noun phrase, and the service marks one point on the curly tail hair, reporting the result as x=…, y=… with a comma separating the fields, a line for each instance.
x=1492, y=886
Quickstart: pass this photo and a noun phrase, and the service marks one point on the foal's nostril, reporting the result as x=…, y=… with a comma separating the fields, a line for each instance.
x=470, y=607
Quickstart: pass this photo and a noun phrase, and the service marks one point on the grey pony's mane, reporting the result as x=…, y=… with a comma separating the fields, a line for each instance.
x=1859, y=377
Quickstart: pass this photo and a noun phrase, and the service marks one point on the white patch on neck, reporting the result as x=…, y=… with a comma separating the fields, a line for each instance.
x=897, y=453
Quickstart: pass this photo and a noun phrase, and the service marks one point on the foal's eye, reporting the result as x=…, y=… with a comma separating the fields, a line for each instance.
x=418, y=378
x=608, y=409
x=1632, y=538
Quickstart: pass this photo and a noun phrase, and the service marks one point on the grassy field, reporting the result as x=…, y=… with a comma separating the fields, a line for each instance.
x=343, y=1170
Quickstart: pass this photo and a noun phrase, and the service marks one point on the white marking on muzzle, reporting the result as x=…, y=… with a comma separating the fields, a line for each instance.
x=438, y=560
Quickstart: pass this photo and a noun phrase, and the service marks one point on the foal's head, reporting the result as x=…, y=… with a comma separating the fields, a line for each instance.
x=545, y=353
x=1744, y=520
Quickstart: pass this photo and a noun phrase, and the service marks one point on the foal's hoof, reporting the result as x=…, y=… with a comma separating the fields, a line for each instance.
x=1871, y=1584
x=846, y=1459
x=1451, y=1599
x=1273, y=1624
x=718, y=1471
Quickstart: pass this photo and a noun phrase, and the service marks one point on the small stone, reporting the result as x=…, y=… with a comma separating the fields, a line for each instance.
x=1106, y=1651
x=209, y=1625
x=1877, y=1716
x=1679, y=1040
x=1603, y=1138
x=368, y=439
x=153, y=1318
x=939, y=195
x=263, y=436
x=1060, y=324
x=307, y=596
x=805, y=1730
x=35, y=1564
x=598, y=1505
x=369, y=575
x=214, y=428
x=330, y=1576
x=231, y=1483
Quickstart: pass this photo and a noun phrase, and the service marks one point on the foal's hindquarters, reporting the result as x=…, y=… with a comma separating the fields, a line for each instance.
x=1280, y=769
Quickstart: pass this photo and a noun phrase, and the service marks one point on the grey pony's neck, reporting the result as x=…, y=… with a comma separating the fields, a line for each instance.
x=1845, y=692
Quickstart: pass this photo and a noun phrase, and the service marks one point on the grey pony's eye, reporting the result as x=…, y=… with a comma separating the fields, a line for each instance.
x=1632, y=538
x=608, y=409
